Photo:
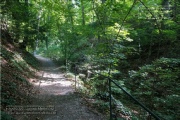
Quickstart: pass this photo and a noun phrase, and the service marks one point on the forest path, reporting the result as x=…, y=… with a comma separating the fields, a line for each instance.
x=55, y=90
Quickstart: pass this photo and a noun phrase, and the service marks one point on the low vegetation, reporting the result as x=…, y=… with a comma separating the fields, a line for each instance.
x=17, y=68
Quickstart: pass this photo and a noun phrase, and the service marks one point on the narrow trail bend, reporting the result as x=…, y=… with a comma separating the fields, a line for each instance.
x=54, y=89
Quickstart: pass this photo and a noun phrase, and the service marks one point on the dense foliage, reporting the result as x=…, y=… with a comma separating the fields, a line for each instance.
x=135, y=42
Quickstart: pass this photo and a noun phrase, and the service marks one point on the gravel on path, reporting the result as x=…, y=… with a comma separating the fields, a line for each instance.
x=56, y=91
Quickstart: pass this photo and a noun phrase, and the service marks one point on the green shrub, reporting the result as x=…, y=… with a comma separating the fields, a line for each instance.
x=158, y=86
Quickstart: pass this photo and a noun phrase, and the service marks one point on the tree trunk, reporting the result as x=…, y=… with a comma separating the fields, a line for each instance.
x=83, y=15
x=26, y=31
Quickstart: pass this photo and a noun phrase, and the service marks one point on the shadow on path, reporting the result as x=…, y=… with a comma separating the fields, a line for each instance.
x=55, y=90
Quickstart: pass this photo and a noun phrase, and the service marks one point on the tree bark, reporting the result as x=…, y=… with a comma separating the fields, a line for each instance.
x=83, y=14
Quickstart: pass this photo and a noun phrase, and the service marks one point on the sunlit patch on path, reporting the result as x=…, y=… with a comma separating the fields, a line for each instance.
x=54, y=84
x=55, y=90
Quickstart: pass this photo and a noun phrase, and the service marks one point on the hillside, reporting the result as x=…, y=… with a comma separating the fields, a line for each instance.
x=17, y=68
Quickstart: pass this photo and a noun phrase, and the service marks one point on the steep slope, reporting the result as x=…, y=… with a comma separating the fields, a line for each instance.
x=17, y=68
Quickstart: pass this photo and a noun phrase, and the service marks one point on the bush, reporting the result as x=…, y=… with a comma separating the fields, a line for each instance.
x=158, y=86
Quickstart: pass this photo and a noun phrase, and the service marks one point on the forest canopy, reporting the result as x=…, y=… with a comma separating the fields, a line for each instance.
x=138, y=40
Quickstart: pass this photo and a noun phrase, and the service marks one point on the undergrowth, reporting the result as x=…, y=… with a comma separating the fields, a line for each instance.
x=17, y=67
x=156, y=85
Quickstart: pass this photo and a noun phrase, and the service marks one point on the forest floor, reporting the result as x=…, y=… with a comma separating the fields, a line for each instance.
x=56, y=91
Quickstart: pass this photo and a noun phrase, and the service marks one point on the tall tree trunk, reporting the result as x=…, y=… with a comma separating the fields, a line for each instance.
x=15, y=16
x=83, y=14
x=166, y=8
x=175, y=10
x=26, y=31
x=103, y=1
x=17, y=31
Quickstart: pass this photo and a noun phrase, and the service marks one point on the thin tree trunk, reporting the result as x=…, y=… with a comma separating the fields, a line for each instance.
x=83, y=14
x=26, y=31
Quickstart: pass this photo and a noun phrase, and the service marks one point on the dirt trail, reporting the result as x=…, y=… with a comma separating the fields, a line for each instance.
x=55, y=90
